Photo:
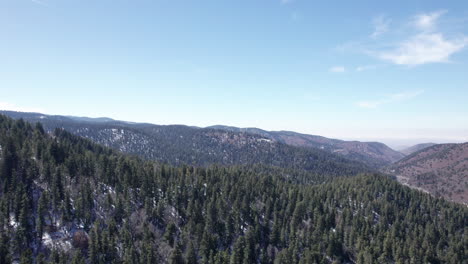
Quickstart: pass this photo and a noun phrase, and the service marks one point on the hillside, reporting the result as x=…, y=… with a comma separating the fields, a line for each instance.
x=64, y=199
x=374, y=154
x=179, y=145
x=441, y=170
x=415, y=148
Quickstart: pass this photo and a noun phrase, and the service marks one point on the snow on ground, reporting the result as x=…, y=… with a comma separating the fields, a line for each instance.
x=117, y=133
x=13, y=223
x=57, y=240
x=107, y=189
x=47, y=239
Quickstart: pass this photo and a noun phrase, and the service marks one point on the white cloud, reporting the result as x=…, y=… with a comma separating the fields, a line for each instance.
x=423, y=42
x=13, y=107
x=392, y=98
x=424, y=48
x=427, y=45
x=427, y=21
x=381, y=24
x=286, y=1
x=337, y=69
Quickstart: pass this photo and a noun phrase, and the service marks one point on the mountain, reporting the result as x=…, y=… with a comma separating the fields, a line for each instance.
x=65, y=199
x=91, y=119
x=374, y=154
x=415, y=148
x=441, y=170
x=177, y=145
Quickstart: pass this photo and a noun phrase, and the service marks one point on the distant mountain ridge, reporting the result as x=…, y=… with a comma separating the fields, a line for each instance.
x=177, y=144
x=441, y=170
x=92, y=119
x=415, y=148
x=375, y=154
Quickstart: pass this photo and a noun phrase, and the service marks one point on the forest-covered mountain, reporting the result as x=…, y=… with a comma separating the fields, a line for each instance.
x=374, y=154
x=64, y=199
x=177, y=145
x=441, y=170
x=415, y=148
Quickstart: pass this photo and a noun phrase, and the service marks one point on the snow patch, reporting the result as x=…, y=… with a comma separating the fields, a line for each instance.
x=47, y=239
x=13, y=223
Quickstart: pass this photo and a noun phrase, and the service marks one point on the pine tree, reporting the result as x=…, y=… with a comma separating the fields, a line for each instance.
x=26, y=257
x=170, y=233
x=176, y=256
x=8, y=164
x=41, y=210
x=191, y=254
x=78, y=259
x=237, y=254
x=4, y=251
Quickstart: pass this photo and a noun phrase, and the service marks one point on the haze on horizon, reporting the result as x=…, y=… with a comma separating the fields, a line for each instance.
x=393, y=72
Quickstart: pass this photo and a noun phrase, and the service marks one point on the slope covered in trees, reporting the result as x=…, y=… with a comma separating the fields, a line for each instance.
x=441, y=170
x=177, y=145
x=65, y=199
x=416, y=148
x=374, y=154
x=138, y=138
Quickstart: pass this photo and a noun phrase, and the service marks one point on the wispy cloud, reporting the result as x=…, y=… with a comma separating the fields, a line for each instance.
x=392, y=98
x=284, y=2
x=428, y=45
x=427, y=21
x=14, y=107
x=424, y=48
x=381, y=25
x=418, y=40
x=337, y=69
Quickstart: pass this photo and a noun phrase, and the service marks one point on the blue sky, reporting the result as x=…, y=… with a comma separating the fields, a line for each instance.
x=369, y=70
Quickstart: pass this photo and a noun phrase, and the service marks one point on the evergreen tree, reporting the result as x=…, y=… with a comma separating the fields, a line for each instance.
x=176, y=256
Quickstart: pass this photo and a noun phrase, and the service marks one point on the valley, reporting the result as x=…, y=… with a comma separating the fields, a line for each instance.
x=233, y=132
x=185, y=145
x=66, y=199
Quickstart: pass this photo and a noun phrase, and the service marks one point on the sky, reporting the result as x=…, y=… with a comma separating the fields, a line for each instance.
x=394, y=71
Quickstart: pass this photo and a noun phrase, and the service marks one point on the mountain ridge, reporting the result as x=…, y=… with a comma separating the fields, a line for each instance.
x=376, y=154
x=179, y=144
x=441, y=170
x=416, y=148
